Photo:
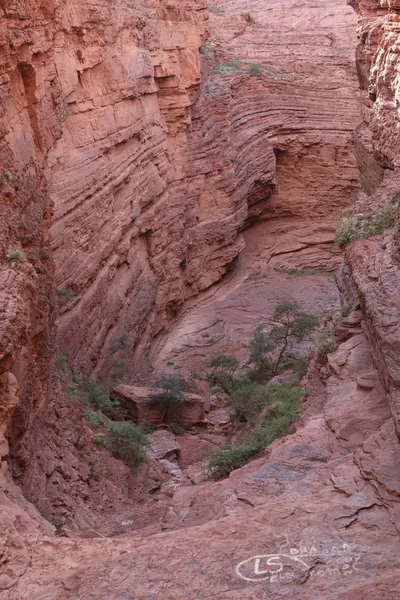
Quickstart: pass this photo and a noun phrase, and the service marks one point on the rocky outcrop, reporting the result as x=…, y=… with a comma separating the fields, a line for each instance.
x=370, y=272
x=315, y=516
x=134, y=402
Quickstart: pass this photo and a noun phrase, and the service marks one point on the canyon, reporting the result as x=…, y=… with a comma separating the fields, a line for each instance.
x=169, y=172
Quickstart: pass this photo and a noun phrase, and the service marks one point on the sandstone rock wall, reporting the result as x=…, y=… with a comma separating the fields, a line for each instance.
x=371, y=269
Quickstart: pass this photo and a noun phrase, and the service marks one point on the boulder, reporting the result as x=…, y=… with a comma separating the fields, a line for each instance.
x=134, y=400
x=162, y=445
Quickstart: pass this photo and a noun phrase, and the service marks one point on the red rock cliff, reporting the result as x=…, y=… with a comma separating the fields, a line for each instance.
x=371, y=269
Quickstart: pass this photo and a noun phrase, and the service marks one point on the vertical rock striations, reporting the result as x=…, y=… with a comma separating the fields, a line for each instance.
x=372, y=269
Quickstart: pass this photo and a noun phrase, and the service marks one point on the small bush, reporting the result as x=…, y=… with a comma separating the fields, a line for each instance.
x=127, y=442
x=100, y=441
x=284, y=403
x=16, y=255
x=349, y=305
x=358, y=227
x=62, y=362
x=254, y=69
x=168, y=392
x=229, y=457
x=297, y=272
x=64, y=294
x=300, y=367
x=94, y=418
x=146, y=428
x=325, y=344
x=249, y=398
x=98, y=394
x=175, y=429
x=229, y=67
x=207, y=50
x=215, y=10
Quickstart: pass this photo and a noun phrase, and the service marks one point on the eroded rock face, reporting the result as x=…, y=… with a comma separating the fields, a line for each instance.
x=316, y=516
x=371, y=270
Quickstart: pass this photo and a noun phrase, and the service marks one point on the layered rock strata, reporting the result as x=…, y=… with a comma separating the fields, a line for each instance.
x=371, y=269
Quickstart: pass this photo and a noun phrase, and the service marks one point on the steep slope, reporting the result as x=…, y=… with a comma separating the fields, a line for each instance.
x=317, y=515
x=371, y=269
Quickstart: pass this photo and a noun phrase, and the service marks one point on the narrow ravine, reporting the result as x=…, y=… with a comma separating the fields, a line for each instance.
x=172, y=172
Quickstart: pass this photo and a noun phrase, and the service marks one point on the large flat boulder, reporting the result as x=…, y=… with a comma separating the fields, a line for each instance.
x=134, y=400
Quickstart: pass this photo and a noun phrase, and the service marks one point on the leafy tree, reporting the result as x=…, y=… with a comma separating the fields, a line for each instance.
x=168, y=392
x=222, y=373
x=271, y=341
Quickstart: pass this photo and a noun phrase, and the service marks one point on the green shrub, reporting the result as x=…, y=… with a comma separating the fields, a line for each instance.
x=65, y=294
x=297, y=272
x=249, y=398
x=98, y=393
x=168, y=393
x=271, y=341
x=127, y=442
x=146, y=428
x=349, y=305
x=62, y=362
x=229, y=67
x=100, y=441
x=215, y=10
x=16, y=255
x=324, y=345
x=254, y=69
x=284, y=403
x=358, y=227
x=300, y=367
x=229, y=457
x=175, y=429
x=94, y=418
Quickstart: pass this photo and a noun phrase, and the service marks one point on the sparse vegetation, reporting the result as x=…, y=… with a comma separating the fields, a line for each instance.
x=207, y=50
x=100, y=441
x=355, y=227
x=215, y=10
x=175, y=428
x=168, y=393
x=64, y=295
x=300, y=367
x=62, y=362
x=324, y=345
x=281, y=410
x=128, y=442
x=228, y=67
x=94, y=418
x=15, y=255
x=254, y=69
x=348, y=306
x=97, y=393
x=272, y=341
x=293, y=272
